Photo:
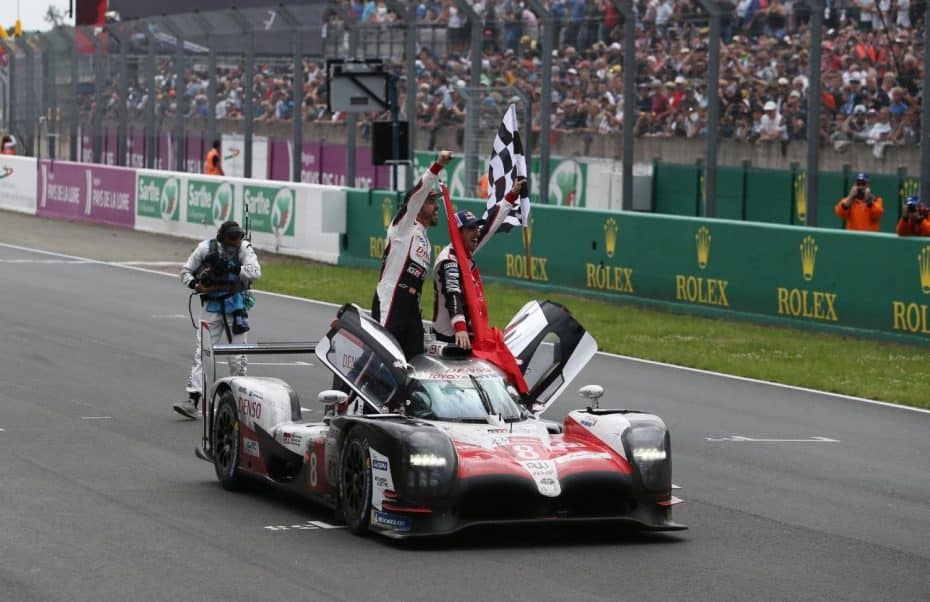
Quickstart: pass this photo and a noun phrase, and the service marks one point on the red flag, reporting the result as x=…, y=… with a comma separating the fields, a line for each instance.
x=488, y=343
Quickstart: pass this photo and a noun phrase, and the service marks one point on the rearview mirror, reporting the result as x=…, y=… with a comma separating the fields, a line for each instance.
x=592, y=393
x=332, y=397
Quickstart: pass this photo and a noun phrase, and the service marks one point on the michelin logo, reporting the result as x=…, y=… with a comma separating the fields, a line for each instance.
x=391, y=521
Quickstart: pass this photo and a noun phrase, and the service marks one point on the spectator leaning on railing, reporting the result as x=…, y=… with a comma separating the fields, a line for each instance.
x=764, y=59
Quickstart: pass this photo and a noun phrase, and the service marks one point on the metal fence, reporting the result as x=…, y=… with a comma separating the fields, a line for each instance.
x=190, y=76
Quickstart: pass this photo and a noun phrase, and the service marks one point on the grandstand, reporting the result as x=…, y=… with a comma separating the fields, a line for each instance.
x=871, y=85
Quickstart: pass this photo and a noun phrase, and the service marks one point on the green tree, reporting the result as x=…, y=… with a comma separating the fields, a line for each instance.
x=54, y=16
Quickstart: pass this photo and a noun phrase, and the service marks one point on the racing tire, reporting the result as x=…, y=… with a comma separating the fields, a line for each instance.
x=226, y=443
x=355, y=483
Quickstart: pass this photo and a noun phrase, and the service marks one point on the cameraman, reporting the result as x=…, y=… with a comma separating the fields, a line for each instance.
x=914, y=220
x=221, y=270
x=861, y=210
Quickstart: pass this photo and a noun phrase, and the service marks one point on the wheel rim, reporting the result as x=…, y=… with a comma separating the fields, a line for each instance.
x=226, y=438
x=354, y=479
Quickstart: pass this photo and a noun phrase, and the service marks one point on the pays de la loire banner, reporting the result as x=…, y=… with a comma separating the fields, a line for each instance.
x=90, y=193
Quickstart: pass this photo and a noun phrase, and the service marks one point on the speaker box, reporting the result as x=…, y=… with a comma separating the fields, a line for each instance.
x=382, y=144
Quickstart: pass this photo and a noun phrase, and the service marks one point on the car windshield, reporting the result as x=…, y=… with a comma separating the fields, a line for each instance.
x=464, y=399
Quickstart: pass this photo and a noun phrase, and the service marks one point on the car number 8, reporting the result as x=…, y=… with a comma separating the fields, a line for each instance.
x=313, y=471
x=525, y=452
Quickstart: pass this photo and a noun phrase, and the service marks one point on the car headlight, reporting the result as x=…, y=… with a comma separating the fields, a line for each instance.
x=647, y=443
x=648, y=454
x=430, y=464
x=421, y=459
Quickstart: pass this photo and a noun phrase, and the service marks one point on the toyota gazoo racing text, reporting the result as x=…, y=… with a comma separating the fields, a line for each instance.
x=442, y=442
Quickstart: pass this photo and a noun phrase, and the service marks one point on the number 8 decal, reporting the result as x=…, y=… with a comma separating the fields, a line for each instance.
x=525, y=452
x=313, y=470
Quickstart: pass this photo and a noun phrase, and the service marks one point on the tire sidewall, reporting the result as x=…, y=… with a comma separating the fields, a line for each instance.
x=229, y=476
x=358, y=522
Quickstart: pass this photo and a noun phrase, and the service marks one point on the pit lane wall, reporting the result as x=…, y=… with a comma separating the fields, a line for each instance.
x=18, y=183
x=874, y=284
x=302, y=220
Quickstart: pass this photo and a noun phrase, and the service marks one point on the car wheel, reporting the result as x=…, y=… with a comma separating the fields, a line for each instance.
x=355, y=483
x=226, y=441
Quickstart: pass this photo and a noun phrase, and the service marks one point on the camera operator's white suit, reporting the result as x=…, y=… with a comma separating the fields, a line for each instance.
x=250, y=271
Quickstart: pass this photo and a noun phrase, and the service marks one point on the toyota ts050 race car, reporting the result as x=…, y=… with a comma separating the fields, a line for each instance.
x=442, y=442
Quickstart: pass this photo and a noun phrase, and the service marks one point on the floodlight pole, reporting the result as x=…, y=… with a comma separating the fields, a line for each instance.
x=814, y=102
x=297, y=134
x=180, y=133
x=545, y=115
x=713, y=107
x=97, y=118
x=628, y=11
x=351, y=118
x=925, y=115
x=247, y=87
x=410, y=51
x=471, y=111
x=206, y=28
x=73, y=113
x=11, y=109
x=122, y=127
x=150, y=135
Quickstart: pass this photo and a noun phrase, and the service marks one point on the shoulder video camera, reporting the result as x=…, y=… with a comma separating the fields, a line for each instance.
x=214, y=271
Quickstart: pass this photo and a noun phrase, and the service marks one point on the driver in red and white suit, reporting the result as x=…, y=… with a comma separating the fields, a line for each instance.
x=406, y=261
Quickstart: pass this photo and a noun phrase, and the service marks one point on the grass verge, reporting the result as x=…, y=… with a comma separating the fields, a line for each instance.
x=864, y=368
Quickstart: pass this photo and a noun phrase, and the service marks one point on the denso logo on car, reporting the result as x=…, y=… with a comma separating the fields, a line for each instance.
x=379, y=465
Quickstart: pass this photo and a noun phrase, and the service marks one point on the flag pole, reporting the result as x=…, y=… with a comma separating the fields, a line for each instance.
x=526, y=247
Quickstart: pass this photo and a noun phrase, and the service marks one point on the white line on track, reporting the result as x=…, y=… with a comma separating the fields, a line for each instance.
x=96, y=418
x=1, y=430
x=166, y=316
x=603, y=353
x=47, y=261
x=742, y=439
x=280, y=363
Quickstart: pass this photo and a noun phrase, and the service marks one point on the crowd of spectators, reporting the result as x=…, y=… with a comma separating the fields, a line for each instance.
x=871, y=69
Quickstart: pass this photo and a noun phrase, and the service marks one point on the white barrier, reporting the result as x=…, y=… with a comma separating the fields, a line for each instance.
x=302, y=220
x=18, y=177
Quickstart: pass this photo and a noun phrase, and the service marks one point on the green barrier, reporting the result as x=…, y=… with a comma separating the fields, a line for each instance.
x=825, y=279
x=772, y=195
x=731, y=182
x=768, y=195
x=676, y=189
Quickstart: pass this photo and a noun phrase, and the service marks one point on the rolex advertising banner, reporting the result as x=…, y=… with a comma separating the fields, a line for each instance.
x=819, y=278
x=18, y=183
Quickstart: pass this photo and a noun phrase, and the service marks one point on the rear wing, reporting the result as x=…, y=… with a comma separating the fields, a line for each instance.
x=208, y=355
x=209, y=352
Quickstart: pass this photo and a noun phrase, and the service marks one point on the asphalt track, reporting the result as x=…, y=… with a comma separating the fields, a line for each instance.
x=101, y=497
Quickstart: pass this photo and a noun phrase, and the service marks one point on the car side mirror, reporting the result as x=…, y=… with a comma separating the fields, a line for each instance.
x=592, y=393
x=332, y=397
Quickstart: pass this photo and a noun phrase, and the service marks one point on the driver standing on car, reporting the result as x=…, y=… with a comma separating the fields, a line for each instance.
x=406, y=260
x=450, y=319
x=221, y=270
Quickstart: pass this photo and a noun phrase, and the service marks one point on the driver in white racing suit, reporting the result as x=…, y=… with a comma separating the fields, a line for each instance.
x=451, y=322
x=406, y=260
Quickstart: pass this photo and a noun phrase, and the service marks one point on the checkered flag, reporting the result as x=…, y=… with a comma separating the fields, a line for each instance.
x=506, y=164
